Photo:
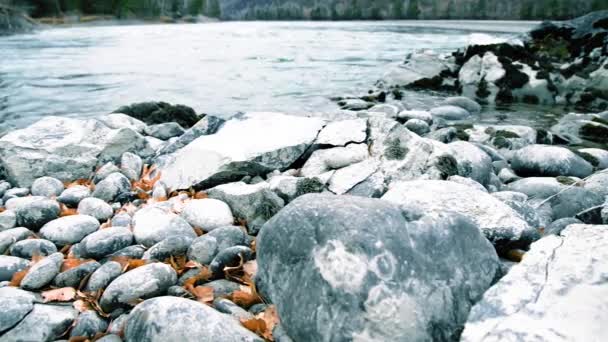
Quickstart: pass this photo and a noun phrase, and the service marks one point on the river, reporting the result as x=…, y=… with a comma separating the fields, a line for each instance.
x=217, y=68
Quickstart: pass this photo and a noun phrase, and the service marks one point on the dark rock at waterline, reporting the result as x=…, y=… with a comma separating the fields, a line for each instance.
x=160, y=112
x=387, y=273
x=205, y=126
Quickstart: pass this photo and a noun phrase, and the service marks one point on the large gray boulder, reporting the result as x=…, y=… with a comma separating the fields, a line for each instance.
x=43, y=323
x=179, y=319
x=371, y=270
x=552, y=161
x=250, y=144
x=557, y=293
x=501, y=224
x=63, y=148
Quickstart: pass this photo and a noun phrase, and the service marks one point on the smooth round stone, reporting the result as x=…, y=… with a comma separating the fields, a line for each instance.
x=69, y=230
x=15, y=193
x=10, y=236
x=178, y=319
x=121, y=220
x=132, y=252
x=95, y=207
x=463, y=102
x=43, y=323
x=43, y=272
x=9, y=265
x=14, y=305
x=228, y=307
x=229, y=257
x=418, y=126
x=112, y=187
x=416, y=114
x=73, y=195
x=207, y=214
x=144, y=282
x=88, y=324
x=153, y=224
x=4, y=186
x=47, y=187
x=34, y=212
x=106, y=241
x=103, y=276
x=557, y=226
x=171, y=246
x=131, y=165
x=73, y=276
x=104, y=171
x=223, y=287
x=8, y=220
x=204, y=248
x=32, y=247
x=450, y=113
x=551, y=161
x=601, y=156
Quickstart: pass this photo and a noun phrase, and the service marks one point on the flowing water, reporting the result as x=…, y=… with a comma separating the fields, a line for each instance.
x=221, y=68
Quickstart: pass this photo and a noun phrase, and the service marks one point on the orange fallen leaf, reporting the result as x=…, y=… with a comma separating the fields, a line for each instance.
x=150, y=175
x=256, y=325
x=203, y=275
x=515, y=255
x=198, y=231
x=37, y=257
x=192, y=264
x=70, y=263
x=64, y=294
x=18, y=277
x=203, y=294
x=178, y=263
x=245, y=298
x=128, y=263
x=82, y=305
x=263, y=323
x=200, y=195
x=65, y=211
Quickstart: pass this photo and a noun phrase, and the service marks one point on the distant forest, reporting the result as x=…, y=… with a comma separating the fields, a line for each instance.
x=316, y=9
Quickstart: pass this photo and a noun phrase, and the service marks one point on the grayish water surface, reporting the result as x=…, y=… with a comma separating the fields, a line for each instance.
x=220, y=68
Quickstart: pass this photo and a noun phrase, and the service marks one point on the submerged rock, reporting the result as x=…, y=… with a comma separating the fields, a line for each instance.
x=392, y=274
x=559, y=286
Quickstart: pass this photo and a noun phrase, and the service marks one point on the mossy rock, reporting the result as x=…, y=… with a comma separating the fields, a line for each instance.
x=447, y=165
x=596, y=131
x=308, y=186
x=565, y=180
x=588, y=157
x=394, y=150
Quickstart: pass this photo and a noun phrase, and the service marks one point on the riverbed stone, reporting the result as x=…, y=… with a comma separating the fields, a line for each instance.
x=463, y=102
x=73, y=195
x=571, y=201
x=8, y=220
x=171, y=246
x=74, y=276
x=42, y=272
x=340, y=133
x=207, y=214
x=346, y=178
x=9, y=265
x=537, y=187
x=552, y=161
x=382, y=265
x=556, y=227
x=15, y=192
x=104, y=171
x=204, y=248
x=32, y=247
x=597, y=183
x=69, y=230
x=14, y=305
x=229, y=257
x=558, y=285
x=452, y=113
x=96, y=208
x=34, y=212
x=43, y=323
x=106, y=241
x=88, y=324
x=478, y=77
x=249, y=144
x=131, y=165
x=417, y=126
x=473, y=162
x=103, y=275
x=178, y=319
x=254, y=203
x=599, y=155
x=10, y=236
x=502, y=225
x=114, y=185
x=141, y=283
x=47, y=187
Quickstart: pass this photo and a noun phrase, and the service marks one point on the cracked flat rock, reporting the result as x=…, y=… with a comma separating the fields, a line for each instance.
x=340, y=133
x=250, y=144
x=558, y=292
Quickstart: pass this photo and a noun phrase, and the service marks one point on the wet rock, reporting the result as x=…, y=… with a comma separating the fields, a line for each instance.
x=383, y=266
x=390, y=110
x=354, y=104
x=9, y=265
x=549, y=286
x=32, y=247
x=47, y=187
x=577, y=128
x=340, y=133
x=14, y=305
x=88, y=324
x=106, y=241
x=322, y=161
x=418, y=126
x=464, y=103
x=47, y=148
x=11, y=236
x=131, y=166
x=598, y=155
x=96, y=208
x=171, y=246
x=450, y=113
x=33, y=212
x=103, y=276
x=73, y=195
x=118, y=120
x=8, y=220
x=250, y=144
x=473, y=162
x=43, y=323
x=165, y=131
x=478, y=77
x=204, y=248
x=207, y=214
x=178, y=319
x=544, y=160
x=206, y=126
x=556, y=227
x=114, y=186
x=43, y=272
x=141, y=283
x=160, y=112
x=229, y=257
x=253, y=203
x=74, y=276
x=69, y=230
x=502, y=225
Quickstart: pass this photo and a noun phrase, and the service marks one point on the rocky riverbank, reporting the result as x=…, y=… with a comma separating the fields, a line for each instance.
x=155, y=223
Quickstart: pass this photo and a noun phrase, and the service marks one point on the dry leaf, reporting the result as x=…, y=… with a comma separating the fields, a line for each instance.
x=79, y=339
x=202, y=276
x=65, y=211
x=245, y=299
x=70, y=263
x=37, y=257
x=107, y=224
x=203, y=294
x=256, y=325
x=150, y=175
x=201, y=195
x=82, y=305
x=263, y=323
x=193, y=264
x=128, y=263
x=64, y=294
x=178, y=263
x=18, y=277
x=515, y=255
x=198, y=231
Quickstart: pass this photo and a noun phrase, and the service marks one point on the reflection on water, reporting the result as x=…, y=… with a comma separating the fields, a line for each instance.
x=217, y=68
